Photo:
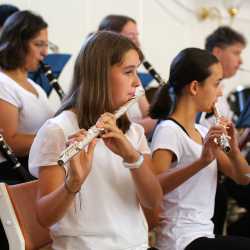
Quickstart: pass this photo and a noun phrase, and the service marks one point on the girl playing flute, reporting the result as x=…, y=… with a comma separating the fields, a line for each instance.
x=94, y=201
x=186, y=155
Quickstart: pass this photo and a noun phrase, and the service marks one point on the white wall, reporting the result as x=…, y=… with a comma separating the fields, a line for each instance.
x=165, y=27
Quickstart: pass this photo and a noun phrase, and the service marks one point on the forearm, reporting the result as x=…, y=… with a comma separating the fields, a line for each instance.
x=239, y=167
x=147, y=186
x=244, y=138
x=172, y=178
x=53, y=206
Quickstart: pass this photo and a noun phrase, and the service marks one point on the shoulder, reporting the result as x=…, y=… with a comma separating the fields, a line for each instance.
x=50, y=129
x=169, y=136
x=168, y=127
x=137, y=137
x=66, y=121
x=10, y=91
x=6, y=82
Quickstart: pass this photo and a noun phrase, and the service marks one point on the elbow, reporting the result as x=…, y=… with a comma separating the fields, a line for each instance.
x=41, y=220
x=41, y=217
x=243, y=181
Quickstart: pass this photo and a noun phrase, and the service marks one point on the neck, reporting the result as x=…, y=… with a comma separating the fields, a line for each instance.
x=19, y=75
x=185, y=113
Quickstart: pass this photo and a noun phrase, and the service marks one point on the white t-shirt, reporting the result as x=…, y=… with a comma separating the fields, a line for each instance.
x=188, y=209
x=109, y=216
x=33, y=110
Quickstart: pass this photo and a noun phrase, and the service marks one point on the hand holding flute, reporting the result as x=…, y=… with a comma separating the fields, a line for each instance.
x=93, y=132
x=223, y=140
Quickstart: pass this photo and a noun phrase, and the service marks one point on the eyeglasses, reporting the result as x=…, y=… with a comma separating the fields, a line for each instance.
x=40, y=44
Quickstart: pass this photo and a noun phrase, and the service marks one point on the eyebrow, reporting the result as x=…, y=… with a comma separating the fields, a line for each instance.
x=131, y=66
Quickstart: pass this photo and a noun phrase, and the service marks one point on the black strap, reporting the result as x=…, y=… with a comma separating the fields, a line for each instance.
x=209, y=115
x=173, y=120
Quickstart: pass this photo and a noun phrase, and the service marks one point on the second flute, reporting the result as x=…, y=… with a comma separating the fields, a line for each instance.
x=93, y=132
x=223, y=140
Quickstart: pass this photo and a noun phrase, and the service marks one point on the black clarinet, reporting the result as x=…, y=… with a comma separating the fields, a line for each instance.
x=11, y=157
x=46, y=69
x=148, y=66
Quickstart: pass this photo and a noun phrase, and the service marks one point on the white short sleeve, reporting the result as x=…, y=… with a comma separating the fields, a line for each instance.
x=47, y=146
x=167, y=137
x=137, y=137
x=8, y=93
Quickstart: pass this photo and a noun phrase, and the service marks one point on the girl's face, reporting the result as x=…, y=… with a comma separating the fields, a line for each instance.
x=37, y=50
x=124, y=78
x=210, y=90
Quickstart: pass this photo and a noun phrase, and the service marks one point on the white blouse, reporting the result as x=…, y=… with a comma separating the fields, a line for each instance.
x=109, y=216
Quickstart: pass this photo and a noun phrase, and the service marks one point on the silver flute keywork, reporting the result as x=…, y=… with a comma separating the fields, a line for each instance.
x=93, y=132
x=223, y=140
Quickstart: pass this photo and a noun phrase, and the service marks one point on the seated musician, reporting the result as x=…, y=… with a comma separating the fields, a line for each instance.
x=24, y=106
x=186, y=155
x=94, y=200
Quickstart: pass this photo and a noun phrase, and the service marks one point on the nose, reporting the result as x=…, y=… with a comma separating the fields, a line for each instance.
x=136, y=41
x=44, y=51
x=136, y=80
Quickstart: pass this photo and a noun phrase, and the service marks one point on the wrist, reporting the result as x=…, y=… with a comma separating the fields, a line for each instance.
x=201, y=163
x=134, y=156
x=72, y=187
x=234, y=152
x=135, y=164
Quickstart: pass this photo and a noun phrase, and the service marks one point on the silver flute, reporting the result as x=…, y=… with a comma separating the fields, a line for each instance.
x=223, y=140
x=93, y=132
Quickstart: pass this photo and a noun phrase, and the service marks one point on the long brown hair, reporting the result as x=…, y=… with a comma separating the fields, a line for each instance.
x=92, y=96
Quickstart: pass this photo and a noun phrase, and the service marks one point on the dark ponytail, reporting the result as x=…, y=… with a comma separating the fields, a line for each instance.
x=189, y=65
x=162, y=103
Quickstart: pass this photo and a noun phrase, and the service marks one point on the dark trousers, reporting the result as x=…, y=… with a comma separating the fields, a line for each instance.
x=220, y=208
x=241, y=194
x=220, y=243
x=3, y=239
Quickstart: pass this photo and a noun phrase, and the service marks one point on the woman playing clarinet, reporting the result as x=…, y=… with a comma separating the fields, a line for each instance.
x=94, y=201
x=186, y=156
x=24, y=106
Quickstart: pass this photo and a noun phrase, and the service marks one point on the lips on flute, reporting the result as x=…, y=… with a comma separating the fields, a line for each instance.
x=93, y=132
x=223, y=140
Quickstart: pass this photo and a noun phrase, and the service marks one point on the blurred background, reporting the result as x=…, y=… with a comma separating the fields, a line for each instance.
x=165, y=26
